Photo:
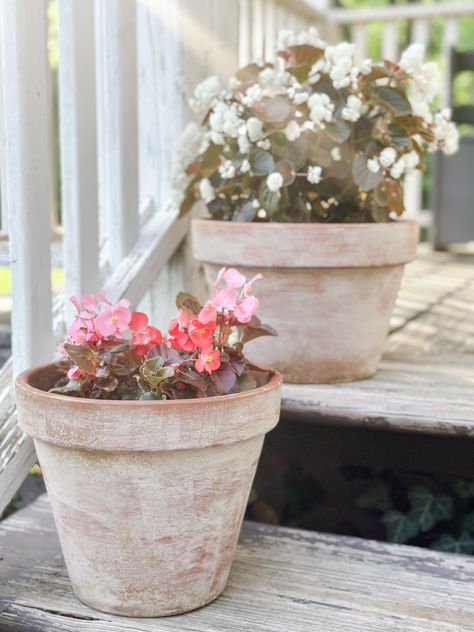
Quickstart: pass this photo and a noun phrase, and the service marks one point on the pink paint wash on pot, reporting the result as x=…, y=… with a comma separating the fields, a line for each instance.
x=329, y=289
x=148, y=496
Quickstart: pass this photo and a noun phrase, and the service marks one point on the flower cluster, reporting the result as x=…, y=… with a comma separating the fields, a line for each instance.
x=112, y=352
x=317, y=138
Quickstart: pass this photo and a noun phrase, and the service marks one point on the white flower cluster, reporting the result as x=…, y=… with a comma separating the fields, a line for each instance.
x=425, y=81
x=191, y=143
x=205, y=93
x=354, y=109
x=445, y=132
x=387, y=159
x=341, y=62
x=321, y=109
x=288, y=38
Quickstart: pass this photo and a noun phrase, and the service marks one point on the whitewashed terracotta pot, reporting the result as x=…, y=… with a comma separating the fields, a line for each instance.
x=329, y=289
x=148, y=496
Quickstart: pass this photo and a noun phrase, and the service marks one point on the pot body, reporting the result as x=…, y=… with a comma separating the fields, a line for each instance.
x=328, y=289
x=148, y=497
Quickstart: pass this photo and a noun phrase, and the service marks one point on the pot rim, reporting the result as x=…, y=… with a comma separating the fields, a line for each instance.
x=22, y=384
x=304, y=245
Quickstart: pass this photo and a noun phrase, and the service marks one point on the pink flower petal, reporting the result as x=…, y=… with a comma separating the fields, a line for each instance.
x=233, y=278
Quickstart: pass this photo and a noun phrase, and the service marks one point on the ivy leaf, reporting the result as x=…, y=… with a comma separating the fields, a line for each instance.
x=154, y=372
x=428, y=508
x=338, y=131
x=464, y=544
x=107, y=384
x=261, y=162
x=363, y=177
x=246, y=213
x=188, y=302
x=467, y=523
x=376, y=497
x=464, y=489
x=400, y=527
x=394, y=98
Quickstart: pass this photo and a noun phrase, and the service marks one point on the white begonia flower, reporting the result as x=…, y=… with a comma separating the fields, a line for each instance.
x=234, y=84
x=264, y=144
x=340, y=59
x=252, y=95
x=314, y=174
x=274, y=181
x=398, y=169
x=373, y=165
x=262, y=213
x=366, y=66
x=300, y=97
x=336, y=153
x=292, y=130
x=216, y=138
x=272, y=79
x=243, y=143
x=254, y=128
x=321, y=108
x=206, y=191
x=287, y=38
x=245, y=166
x=256, y=203
x=317, y=68
x=353, y=109
x=387, y=157
x=205, y=93
x=232, y=122
x=227, y=170
x=411, y=160
x=445, y=132
x=188, y=147
x=425, y=80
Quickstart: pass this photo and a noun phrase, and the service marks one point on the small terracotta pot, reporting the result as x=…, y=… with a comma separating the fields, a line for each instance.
x=148, y=496
x=328, y=289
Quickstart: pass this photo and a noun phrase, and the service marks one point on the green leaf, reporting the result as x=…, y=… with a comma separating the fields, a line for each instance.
x=83, y=357
x=149, y=395
x=363, y=177
x=400, y=527
x=73, y=386
x=154, y=373
x=399, y=135
x=338, y=131
x=467, y=522
x=464, y=544
x=246, y=382
x=188, y=302
x=269, y=200
x=376, y=497
x=261, y=162
x=246, y=213
x=107, y=384
x=428, y=508
x=394, y=98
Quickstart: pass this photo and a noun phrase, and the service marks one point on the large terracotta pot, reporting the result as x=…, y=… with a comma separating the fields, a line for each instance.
x=148, y=496
x=329, y=289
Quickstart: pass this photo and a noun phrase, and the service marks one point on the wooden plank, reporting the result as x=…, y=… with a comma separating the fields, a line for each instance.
x=413, y=11
x=282, y=580
x=433, y=394
x=77, y=101
x=118, y=123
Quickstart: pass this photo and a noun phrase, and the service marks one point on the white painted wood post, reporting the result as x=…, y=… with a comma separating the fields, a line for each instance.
x=450, y=38
x=77, y=99
x=26, y=177
x=244, y=32
x=390, y=41
x=117, y=123
x=359, y=39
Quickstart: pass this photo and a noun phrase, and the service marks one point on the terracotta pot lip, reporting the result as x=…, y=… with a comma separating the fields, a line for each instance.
x=22, y=383
x=306, y=225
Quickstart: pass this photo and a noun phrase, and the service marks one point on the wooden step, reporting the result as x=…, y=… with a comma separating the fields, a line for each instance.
x=432, y=394
x=282, y=580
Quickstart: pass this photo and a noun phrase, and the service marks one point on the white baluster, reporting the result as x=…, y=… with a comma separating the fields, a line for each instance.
x=77, y=99
x=359, y=39
x=390, y=41
x=270, y=30
x=244, y=33
x=450, y=39
x=257, y=30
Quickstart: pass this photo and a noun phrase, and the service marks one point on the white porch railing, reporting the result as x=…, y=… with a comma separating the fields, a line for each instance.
x=126, y=69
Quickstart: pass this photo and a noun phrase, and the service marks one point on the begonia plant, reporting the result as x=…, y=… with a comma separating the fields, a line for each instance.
x=314, y=137
x=112, y=352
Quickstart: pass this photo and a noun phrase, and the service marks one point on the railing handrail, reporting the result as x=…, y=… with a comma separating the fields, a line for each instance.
x=343, y=16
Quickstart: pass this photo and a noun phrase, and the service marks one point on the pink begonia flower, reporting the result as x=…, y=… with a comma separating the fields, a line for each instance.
x=89, y=302
x=244, y=310
x=248, y=287
x=74, y=373
x=201, y=333
x=138, y=321
x=233, y=279
x=207, y=314
x=113, y=320
x=208, y=360
x=225, y=298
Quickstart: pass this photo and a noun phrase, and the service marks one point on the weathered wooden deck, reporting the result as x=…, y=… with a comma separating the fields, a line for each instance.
x=298, y=581
x=282, y=580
